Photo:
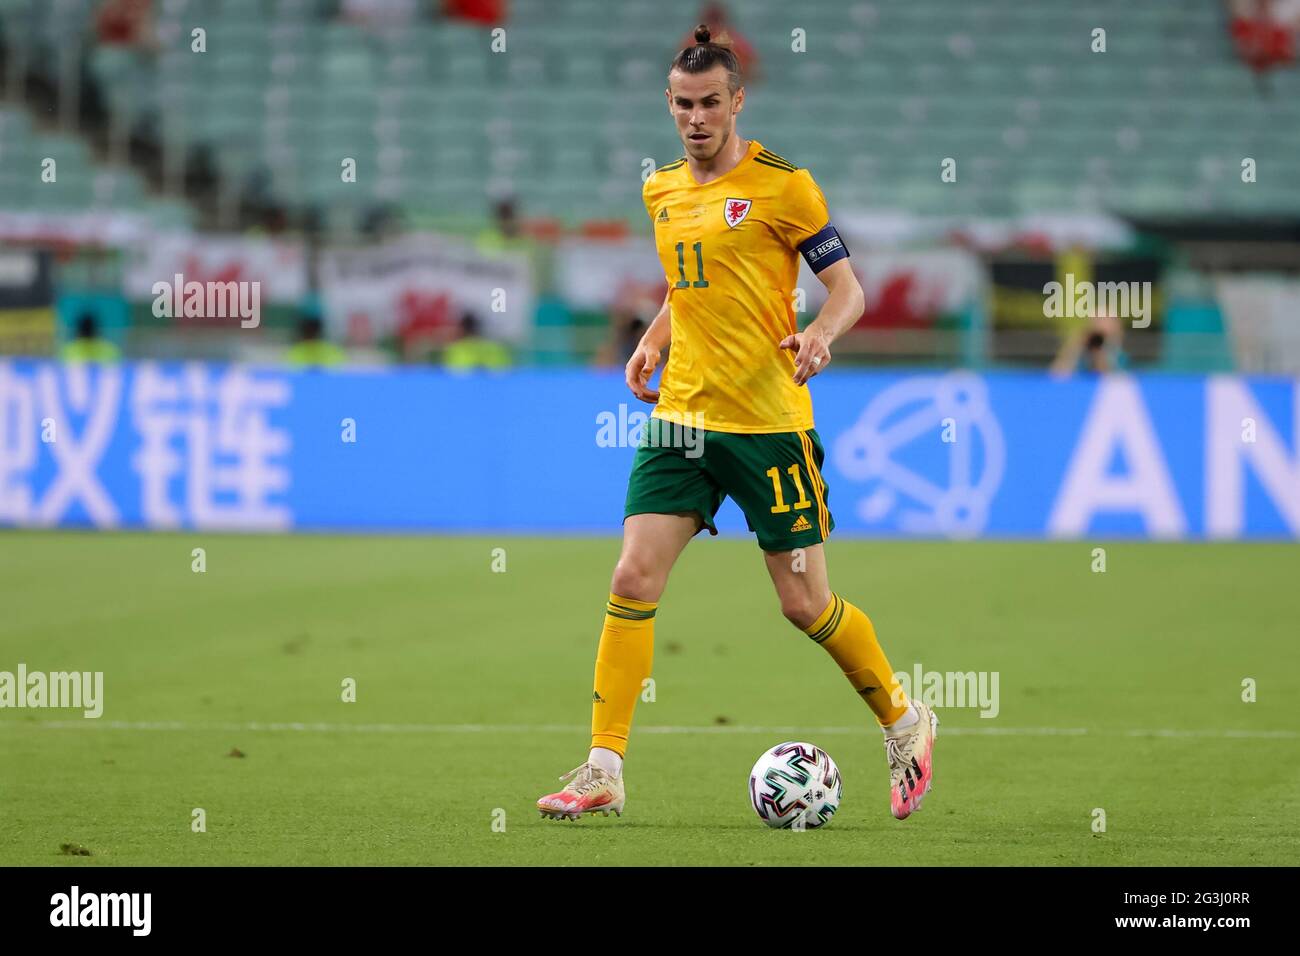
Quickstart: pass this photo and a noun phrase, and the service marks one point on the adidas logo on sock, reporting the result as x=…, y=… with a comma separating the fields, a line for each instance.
x=596, y=698
x=801, y=525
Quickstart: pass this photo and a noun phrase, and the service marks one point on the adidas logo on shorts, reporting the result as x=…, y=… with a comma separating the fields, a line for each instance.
x=801, y=525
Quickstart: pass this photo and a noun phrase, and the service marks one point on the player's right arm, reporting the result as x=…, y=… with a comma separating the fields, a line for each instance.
x=645, y=358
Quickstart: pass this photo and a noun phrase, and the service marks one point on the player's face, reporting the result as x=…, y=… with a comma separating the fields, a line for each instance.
x=704, y=110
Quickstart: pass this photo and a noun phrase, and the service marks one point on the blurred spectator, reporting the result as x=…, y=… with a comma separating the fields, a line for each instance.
x=634, y=308
x=313, y=350
x=626, y=335
x=510, y=234
x=473, y=351
x=478, y=11
x=1264, y=32
x=716, y=17
x=506, y=217
x=381, y=222
x=504, y=231
x=1097, y=346
x=87, y=346
x=125, y=23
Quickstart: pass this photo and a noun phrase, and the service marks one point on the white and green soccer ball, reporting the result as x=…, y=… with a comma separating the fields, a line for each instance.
x=795, y=786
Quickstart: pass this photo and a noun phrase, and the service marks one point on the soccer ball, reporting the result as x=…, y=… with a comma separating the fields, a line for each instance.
x=795, y=785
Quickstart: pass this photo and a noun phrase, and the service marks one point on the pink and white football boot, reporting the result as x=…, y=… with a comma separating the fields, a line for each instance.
x=590, y=790
x=911, y=762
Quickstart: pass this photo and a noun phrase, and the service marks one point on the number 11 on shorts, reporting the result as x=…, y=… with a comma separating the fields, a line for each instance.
x=793, y=471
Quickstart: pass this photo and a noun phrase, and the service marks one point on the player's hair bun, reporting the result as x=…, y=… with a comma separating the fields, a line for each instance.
x=709, y=52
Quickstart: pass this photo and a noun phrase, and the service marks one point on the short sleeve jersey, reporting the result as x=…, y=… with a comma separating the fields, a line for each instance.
x=730, y=251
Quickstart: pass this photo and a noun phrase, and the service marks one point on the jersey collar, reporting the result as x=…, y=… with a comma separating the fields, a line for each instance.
x=754, y=148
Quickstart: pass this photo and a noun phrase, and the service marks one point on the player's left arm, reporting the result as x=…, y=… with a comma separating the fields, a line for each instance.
x=806, y=223
x=842, y=309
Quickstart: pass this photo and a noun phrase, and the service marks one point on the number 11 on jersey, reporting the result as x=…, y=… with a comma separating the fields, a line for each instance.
x=701, y=282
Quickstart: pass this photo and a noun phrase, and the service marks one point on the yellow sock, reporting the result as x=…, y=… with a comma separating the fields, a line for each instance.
x=848, y=636
x=622, y=663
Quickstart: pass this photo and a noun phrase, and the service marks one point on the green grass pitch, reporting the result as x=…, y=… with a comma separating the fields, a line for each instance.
x=1119, y=690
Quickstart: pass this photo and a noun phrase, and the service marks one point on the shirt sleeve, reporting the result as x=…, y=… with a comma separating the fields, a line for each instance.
x=805, y=222
x=803, y=211
x=650, y=195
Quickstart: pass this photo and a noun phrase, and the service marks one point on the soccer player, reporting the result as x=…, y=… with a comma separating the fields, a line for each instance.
x=733, y=417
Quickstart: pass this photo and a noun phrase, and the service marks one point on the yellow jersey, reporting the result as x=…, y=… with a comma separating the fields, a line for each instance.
x=730, y=251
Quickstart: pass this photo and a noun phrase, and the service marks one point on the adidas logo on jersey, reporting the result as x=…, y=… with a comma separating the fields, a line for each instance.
x=801, y=525
x=663, y=215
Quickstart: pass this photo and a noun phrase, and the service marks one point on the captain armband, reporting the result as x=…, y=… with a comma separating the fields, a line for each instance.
x=823, y=249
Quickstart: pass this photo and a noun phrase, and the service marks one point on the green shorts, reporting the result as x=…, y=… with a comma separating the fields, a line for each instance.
x=775, y=479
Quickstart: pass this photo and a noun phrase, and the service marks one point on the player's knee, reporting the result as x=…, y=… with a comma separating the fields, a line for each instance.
x=801, y=610
x=634, y=579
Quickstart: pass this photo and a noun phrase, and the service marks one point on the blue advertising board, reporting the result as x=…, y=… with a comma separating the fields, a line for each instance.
x=926, y=453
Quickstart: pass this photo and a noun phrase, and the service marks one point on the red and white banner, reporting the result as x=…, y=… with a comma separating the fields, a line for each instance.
x=82, y=228
x=421, y=286
x=279, y=266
